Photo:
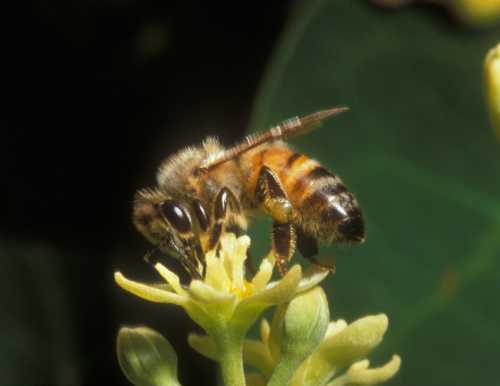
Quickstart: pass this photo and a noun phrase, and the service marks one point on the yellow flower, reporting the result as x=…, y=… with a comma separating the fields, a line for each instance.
x=224, y=303
x=298, y=328
x=299, y=348
x=359, y=373
x=224, y=296
x=343, y=346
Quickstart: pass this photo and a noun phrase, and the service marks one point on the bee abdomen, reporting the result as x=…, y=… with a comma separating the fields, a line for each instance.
x=325, y=197
x=330, y=212
x=304, y=176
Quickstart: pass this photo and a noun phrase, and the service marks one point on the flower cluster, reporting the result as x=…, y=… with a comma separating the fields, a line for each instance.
x=299, y=347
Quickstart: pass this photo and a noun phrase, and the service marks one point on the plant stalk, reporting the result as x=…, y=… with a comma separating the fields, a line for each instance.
x=230, y=349
x=283, y=372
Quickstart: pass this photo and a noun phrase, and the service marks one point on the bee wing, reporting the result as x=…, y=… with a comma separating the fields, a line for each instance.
x=290, y=128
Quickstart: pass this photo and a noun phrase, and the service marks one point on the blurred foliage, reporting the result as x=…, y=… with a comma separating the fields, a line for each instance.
x=36, y=333
x=475, y=13
x=419, y=153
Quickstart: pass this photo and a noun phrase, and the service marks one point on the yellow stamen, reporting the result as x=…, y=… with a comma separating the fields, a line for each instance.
x=244, y=291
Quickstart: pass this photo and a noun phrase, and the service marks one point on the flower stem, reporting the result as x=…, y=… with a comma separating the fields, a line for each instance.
x=284, y=371
x=230, y=348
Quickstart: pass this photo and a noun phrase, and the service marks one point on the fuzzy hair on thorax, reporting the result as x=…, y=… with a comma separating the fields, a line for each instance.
x=174, y=173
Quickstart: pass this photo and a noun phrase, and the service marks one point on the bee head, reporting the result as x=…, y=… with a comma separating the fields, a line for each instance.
x=160, y=219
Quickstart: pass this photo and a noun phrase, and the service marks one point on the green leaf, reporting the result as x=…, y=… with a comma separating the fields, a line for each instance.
x=418, y=152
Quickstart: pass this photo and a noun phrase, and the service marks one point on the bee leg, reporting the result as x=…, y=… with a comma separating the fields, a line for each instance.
x=270, y=193
x=283, y=244
x=249, y=265
x=157, y=255
x=308, y=248
x=273, y=198
x=224, y=202
x=195, y=250
x=181, y=254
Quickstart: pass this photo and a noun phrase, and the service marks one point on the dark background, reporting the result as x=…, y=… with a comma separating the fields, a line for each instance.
x=98, y=93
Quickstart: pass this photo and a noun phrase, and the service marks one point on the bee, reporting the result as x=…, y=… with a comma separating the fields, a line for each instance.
x=206, y=190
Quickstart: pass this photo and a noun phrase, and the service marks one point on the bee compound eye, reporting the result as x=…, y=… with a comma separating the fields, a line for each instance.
x=176, y=215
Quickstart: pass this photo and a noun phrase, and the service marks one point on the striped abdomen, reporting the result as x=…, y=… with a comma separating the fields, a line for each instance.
x=323, y=206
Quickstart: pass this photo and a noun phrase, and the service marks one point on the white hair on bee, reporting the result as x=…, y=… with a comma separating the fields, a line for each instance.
x=212, y=145
x=178, y=165
x=150, y=194
x=214, y=150
x=174, y=171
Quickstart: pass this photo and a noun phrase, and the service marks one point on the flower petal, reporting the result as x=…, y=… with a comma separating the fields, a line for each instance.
x=265, y=329
x=341, y=349
x=335, y=327
x=216, y=303
x=233, y=255
x=204, y=345
x=312, y=278
x=359, y=373
x=171, y=278
x=147, y=292
x=215, y=275
x=263, y=275
x=276, y=332
x=355, y=341
x=280, y=291
x=205, y=293
x=256, y=355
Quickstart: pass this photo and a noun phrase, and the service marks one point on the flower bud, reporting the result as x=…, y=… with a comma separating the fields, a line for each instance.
x=146, y=358
x=305, y=323
x=492, y=85
x=297, y=331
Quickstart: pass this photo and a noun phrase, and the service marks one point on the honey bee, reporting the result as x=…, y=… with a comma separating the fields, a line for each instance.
x=206, y=190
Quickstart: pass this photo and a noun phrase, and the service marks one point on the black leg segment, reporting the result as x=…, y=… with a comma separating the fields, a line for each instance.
x=225, y=202
x=283, y=244
x=308, y=248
